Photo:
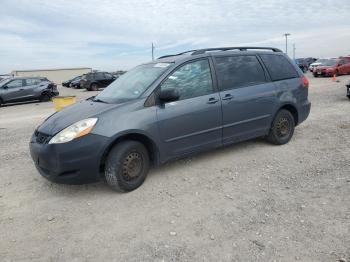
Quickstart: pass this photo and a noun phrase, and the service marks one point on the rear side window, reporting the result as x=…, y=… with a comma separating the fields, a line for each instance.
x=31, y=82
x=238, y=71
x=99, y=76
x=279, y=67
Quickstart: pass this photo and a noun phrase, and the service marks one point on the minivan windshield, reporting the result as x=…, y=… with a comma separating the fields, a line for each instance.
x=133, y=83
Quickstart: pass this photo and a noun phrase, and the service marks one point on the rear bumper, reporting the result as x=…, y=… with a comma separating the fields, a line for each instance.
x=304, y=111
x=75, y=162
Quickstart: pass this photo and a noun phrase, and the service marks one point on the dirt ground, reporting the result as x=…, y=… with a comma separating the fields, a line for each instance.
x=251, y=201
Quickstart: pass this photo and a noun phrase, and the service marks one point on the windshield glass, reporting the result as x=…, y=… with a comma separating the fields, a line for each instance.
x=330, y=62
x=132, y=84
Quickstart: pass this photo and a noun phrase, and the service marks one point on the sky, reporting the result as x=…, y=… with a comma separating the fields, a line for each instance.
x=117, y=35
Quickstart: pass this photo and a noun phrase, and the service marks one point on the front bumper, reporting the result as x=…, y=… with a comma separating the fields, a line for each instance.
x=55, y=93
x=323, y=73
x=74, y=162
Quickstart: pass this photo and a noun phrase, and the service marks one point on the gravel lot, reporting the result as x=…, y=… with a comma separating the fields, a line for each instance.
x=248, y=202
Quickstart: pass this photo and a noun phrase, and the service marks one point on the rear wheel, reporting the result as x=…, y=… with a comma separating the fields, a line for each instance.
x=347, y=96
x=94, y=87
x=127, y=166
x=282, y=128
x=1, y=102
x=45, y=97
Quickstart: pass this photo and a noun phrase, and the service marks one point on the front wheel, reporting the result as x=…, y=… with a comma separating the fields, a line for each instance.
x=347, y=96
x=45, y=97
x=282, y=128
x=94, y=87
x=127, y=166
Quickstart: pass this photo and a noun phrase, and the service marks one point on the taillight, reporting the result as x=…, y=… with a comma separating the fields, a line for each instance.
x=305, y=81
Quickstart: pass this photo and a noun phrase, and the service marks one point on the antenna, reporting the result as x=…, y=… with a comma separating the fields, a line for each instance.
x=152, y=52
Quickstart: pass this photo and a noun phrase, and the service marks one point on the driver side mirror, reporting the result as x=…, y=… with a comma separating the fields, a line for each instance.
x=5, y=87
x=169, y=95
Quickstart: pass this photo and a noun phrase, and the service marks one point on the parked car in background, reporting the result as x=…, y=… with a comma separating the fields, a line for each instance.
x=338, y=66
x=75, y=83
x=169, y=108
x=318, y=62
x=68, y=82
x=304, y=63
x=94, y=81
x=348, y=89
x=21, y=89
x=118, y=73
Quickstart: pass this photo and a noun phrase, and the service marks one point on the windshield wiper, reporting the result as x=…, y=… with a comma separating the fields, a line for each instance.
x=99, y=100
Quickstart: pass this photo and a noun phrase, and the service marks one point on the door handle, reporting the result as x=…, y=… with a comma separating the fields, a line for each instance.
x=21, y=89
x=213, y=100
x=227, y=97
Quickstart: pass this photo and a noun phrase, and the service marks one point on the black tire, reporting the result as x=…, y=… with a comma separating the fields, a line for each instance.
x=282, y=128
x=93, y=87
x=315, y=75
x=127, y=166
x=45, y=97
x=1, y=102
x=347, y=96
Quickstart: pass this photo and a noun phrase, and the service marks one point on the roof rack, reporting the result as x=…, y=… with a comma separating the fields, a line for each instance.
x=240, y=48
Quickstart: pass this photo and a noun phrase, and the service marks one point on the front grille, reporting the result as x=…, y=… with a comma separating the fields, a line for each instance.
x=41, y=138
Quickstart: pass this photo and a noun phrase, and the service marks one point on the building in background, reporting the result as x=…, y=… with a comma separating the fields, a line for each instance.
x=55, y=75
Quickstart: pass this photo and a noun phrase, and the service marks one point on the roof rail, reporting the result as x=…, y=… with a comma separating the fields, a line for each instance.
x=182, y=53
x=240, y=48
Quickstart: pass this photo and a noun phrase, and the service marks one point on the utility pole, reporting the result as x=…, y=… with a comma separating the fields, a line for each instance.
x=286, y=36
x=294, y=51
x=152, y=52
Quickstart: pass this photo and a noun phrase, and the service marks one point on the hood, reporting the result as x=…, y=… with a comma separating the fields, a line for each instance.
x=72, y=114
x=316, y=64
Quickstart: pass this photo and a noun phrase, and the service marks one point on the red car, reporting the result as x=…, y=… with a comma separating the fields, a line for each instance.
x=339, y=66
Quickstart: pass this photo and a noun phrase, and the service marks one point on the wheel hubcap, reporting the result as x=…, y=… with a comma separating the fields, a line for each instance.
x=283, y=127
x=132, y=166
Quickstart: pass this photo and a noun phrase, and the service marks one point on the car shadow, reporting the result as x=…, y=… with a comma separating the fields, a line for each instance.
x=23, y=103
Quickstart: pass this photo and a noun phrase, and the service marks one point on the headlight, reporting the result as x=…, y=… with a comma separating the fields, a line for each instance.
x=78, y=129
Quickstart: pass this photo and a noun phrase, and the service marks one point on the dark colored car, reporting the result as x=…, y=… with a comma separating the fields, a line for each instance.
x=338, y=66
x=304, y=63
x=75, y=83
x=348, y=89
x=172, y=107
x=94, y=81
x=68, y=82
x=21, y=89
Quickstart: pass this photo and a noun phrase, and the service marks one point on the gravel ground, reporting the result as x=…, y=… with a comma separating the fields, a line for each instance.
x=248, y=202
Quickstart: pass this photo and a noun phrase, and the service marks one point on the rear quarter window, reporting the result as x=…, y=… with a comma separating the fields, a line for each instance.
x=279, y=67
